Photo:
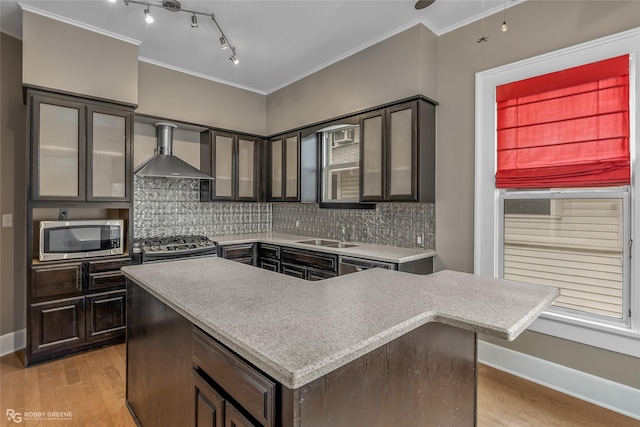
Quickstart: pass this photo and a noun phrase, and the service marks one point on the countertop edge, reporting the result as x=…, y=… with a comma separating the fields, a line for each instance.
x=352, y=252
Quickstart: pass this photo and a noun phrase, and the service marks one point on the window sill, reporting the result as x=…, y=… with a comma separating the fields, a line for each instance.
x=613, y=338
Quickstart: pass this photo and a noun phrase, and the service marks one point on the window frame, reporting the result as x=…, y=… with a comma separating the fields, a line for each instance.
x=326, y=168
x=620, y=338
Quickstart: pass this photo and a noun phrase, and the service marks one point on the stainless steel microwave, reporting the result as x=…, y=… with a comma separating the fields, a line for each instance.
x=60, y=240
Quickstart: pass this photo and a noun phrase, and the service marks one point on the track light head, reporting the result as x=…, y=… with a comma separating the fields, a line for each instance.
x=194, y=21
x=224, y=44
x=233, y=57
x=147, y=16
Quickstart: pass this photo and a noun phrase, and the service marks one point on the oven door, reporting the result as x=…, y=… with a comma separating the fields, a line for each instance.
x=60, y=240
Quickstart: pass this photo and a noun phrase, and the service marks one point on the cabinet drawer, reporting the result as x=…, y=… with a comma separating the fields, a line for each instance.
x=315, y=275
x=107, y=265
x=269, y=251
x=252, y=390
x=293, y=270
x=310, y=259
x=270, y=264
x=237, y=251
x=109, y=279
x=56, y=280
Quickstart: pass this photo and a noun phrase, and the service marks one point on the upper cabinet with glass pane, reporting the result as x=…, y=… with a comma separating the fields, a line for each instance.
x=284, y=168
x=233, y=165
x=80, y=151
x=397, y=153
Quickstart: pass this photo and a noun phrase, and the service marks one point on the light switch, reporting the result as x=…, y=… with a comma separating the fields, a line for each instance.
x=7, y=220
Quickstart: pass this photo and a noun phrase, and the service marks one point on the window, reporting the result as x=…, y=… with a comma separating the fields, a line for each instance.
x=556, y=202
x=340, y=164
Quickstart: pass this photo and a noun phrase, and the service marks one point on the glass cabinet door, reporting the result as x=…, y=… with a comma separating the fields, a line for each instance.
x=371, y=159
x=58, y=145
x=223, y=166
x=246, y=169
x=400, y=153
x=291, y=167
x=108, y=147
x=276, y=169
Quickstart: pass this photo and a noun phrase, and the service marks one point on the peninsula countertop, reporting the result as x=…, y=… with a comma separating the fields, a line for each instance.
x=360, y=250
x=297, y=331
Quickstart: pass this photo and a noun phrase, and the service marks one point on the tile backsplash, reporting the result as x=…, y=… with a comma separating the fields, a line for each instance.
x=396, y=224
x=168, y=207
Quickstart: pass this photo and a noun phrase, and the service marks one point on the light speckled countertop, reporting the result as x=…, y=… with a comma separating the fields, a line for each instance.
x=297, y=331
x=362, y=250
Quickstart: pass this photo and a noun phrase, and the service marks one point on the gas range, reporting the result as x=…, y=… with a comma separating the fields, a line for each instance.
x=168, y=248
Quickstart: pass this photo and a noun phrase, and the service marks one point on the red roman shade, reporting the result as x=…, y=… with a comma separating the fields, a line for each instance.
x=565, y=129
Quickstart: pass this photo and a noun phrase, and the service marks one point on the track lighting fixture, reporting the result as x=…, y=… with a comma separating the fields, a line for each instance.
x=147, y=16
x=504, y=16
x=233, y=56
x=175, y=6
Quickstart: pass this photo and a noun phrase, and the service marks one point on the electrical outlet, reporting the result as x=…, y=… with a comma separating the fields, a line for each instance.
x=419, y=239
x=7, y=220
x=297, y=223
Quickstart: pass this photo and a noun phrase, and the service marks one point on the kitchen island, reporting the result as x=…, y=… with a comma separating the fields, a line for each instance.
x=214, y=341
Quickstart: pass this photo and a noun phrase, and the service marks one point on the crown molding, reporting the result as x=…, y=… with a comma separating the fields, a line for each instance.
x=28, y=8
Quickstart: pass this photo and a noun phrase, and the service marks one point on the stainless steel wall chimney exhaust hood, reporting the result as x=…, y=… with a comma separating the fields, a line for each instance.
x=164, y=164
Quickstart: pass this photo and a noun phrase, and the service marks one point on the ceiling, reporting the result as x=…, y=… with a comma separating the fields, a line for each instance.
x=277, y=42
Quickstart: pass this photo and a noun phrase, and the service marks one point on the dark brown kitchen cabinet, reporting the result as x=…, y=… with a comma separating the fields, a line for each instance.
x=233, y=418
x=209, y=405
x=56, y=326
x=308, y=265
x=232, y=159
x=241, y=252
x=105, y=316
x=252, y=391
x=269, y=257
x=397, y=153
x=74, y=306
x=80, y=149
x=56, y=280
x=283, y=165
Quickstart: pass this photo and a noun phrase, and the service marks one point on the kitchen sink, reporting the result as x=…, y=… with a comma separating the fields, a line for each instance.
x=327, y=243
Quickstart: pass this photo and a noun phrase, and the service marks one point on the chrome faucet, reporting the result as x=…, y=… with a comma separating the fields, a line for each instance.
x=343, y=230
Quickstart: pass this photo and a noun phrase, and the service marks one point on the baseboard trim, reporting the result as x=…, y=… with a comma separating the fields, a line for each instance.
x=13, y=341
x=608, y=394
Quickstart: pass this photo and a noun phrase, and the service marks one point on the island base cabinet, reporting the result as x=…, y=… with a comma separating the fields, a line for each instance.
x=426, y=377
x=159, y=362
x=178, y=375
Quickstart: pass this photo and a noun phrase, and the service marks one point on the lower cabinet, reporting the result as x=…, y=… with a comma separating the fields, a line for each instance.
x=56, y=325
x=212, y=410
x=249, y=396
x=308, y=265
x=269, y=257
x=106, y=315
x=74, y=306
x=242, y=252
x=209, y=405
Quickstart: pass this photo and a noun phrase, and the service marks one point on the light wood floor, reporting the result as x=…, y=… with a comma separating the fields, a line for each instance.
x=91, y=387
